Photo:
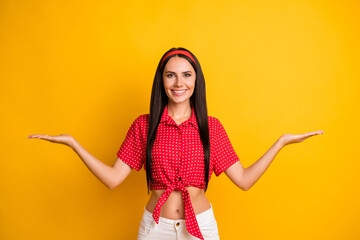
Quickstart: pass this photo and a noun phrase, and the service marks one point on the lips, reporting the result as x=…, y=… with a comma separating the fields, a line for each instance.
x=179, y=92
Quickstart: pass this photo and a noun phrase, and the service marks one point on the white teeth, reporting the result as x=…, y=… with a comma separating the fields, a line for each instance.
x=179, y=91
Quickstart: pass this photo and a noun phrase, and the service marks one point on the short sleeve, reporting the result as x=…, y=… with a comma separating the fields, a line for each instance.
x=225, y=155
x=133, y=150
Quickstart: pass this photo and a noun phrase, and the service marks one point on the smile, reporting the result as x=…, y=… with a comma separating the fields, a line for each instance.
x=179, y=93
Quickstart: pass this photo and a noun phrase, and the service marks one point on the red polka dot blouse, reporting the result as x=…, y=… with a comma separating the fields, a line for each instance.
x=178, y=158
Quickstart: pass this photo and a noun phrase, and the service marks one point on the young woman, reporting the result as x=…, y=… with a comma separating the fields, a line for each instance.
x=179, y=146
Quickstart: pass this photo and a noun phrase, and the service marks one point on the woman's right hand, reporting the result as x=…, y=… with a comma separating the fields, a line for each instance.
x=62, y=138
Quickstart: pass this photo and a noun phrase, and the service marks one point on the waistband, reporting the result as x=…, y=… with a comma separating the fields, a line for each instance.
x=170, y=222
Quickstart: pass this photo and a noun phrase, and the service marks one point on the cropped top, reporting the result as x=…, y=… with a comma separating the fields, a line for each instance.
x=178, y=158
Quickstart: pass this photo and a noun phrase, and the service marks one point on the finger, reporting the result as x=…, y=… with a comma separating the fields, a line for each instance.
x=34, y=136
x=46, y=137
x=305, y=135
x=317, y=132
x=310, y=134
x=41, y=136
x=313, y=133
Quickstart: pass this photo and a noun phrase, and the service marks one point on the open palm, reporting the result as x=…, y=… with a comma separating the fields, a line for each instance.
x=288, y=138
x=62, y=138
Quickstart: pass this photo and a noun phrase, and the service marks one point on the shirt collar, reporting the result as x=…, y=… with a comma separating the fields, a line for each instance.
x=165, y=118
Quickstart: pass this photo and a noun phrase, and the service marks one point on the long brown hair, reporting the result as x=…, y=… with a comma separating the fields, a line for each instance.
x=157, y=104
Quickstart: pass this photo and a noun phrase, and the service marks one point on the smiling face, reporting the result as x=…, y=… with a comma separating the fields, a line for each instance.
x=179, y=80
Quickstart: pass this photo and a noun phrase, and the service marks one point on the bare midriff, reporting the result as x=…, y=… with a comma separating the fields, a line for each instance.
x=173, y=208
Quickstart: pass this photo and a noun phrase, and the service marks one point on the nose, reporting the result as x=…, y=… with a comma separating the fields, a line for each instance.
x=179, y=81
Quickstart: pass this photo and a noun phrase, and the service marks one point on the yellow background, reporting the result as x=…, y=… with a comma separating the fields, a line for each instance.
x=86, y=68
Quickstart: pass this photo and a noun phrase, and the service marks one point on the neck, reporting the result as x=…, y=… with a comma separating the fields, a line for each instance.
x=179, y=110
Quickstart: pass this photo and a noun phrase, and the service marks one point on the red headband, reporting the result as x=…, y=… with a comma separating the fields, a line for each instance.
x=180, y=52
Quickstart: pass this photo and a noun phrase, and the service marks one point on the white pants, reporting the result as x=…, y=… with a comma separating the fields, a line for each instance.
x=169, y=229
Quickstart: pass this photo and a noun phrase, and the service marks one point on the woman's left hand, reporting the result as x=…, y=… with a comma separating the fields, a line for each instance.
x=288, y=138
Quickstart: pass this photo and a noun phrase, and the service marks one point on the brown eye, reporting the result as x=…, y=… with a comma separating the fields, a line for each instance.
x=169, y=75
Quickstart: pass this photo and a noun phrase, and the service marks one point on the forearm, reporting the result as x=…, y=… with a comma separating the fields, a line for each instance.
x=102, y=171
x=257, y=169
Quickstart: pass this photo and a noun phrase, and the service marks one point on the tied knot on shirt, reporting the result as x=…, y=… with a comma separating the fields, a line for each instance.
x=178, y=185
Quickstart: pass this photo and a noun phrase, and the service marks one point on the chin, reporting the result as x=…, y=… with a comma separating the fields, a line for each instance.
x=179, y=101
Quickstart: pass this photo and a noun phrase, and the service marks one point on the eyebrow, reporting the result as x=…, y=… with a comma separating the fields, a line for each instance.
x=175, y=72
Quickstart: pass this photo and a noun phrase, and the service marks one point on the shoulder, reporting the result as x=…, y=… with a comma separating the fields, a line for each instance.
x=213, y=121
x=214, y=125
x=141, y=120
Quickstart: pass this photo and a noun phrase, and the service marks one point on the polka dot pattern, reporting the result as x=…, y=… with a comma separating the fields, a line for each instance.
x=178, y=158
